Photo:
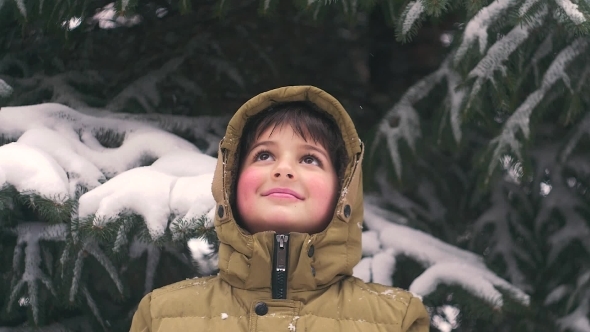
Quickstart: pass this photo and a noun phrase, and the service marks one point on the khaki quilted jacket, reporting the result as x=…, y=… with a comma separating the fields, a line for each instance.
x=314, y=290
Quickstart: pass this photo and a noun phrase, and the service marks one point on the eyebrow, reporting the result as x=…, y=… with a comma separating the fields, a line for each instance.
x=308, y=146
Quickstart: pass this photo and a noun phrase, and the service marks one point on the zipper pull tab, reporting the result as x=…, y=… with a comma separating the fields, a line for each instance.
x=281, y=253
x=282, y=239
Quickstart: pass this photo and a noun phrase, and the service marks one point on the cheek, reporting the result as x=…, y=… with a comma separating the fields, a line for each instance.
x=324, y=190
x=248, y=183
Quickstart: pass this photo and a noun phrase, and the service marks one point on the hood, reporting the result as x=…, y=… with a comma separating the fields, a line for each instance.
x=315, y=260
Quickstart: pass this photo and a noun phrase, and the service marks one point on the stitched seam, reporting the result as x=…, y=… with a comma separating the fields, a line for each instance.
x=331, y=318
x=384, y=296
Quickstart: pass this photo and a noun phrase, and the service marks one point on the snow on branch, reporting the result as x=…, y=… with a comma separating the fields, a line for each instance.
x=5, y=89
x=402, y=122
x=572, y=11
x=445, y=264
x=577, y=320
x=207, y=128
x=477, y=28
x=31, y=170
x=562, y=199
x=29, y=235
x=411, y=16
x=505, y=218
x=89, y=149
x=519, y=120
x=152, y=194
x=500, y=51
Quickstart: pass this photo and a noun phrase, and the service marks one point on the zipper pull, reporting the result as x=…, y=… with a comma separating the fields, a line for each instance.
x=282, y=252
x=280, y=265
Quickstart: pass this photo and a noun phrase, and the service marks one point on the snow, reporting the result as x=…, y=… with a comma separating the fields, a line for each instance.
x=444, y=264
x=153, y=195
x=519, y=120
x=142, y=190
x=557, y=294
x=183, y=163
x=500, y=51
x=108, y=18
x=402, y=122
x=415, y=9
x=362, y=269
x=572, y=11
x=60, y=151
x=140, y=140
x=201, y=253
x=80, y=170
x=371, y=244
x=29, y=169
x=22, y=7
x=477, y=28
x=5, y=89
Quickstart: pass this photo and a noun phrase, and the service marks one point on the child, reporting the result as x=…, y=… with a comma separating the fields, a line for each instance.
x=288, y=188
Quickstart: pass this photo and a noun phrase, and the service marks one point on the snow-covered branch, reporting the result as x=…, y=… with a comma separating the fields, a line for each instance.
x=155, y=193
x=28, y=240
x=5, y=89
x=89, y=149
x=502, y=243
x=444, y=264
x=477, y=28
x=402, y=122
x=519, y=120
x=500, y=51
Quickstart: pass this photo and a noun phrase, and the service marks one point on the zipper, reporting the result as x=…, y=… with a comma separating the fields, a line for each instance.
x=280, y=266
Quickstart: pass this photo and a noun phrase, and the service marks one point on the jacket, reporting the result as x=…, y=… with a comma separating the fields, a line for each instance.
x=294, y=282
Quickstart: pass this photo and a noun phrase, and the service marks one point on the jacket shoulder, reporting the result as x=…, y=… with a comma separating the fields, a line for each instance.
x=188, y=284
x=409, y=308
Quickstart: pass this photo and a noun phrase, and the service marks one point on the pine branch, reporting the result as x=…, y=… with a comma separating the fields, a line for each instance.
x=144, y=90
x=502, y=243
x=519, y=120
x=442, y=262
x=28, y=237
x=498, y=54
x=477, y=28
x=410, y=19
x=402, y=122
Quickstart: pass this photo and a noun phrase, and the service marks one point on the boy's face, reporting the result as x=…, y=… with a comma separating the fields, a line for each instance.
x=286, y=184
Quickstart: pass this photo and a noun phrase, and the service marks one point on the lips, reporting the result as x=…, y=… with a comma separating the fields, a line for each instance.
x=282, y=192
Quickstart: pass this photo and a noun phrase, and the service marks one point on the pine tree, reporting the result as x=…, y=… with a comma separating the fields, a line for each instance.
x=476, y=178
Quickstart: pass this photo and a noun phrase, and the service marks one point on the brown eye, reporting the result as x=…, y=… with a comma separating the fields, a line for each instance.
x=262, y=156
x=310, y=160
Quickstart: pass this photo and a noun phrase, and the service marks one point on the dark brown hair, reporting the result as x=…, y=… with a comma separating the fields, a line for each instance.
x=307, y=120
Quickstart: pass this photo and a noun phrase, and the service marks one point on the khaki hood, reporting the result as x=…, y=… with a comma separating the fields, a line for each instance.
x=315, y=260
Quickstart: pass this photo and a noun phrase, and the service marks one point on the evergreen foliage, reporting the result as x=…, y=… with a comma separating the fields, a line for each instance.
x=487, y=153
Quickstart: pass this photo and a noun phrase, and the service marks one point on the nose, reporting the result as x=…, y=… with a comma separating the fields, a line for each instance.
x=284, y=169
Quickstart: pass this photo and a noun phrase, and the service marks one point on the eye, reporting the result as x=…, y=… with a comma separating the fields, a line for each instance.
x=262, y=156
x=311, y=160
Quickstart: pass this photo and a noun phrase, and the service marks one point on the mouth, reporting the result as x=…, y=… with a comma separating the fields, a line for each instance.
x=282, y=193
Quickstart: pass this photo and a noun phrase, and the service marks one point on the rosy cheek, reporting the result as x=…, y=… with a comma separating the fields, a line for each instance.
x=324, y=189
x=248, y=183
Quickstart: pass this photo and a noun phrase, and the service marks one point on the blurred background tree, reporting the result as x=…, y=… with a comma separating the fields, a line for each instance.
x=475, y=114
